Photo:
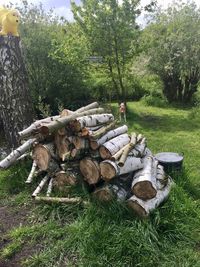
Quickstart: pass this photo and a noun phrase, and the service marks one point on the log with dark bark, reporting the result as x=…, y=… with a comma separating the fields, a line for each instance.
x=15, y=101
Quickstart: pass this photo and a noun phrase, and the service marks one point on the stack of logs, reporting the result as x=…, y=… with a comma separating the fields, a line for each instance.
x=86, y=146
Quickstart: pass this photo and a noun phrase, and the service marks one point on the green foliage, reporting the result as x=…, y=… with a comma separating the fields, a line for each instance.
x=172, y=44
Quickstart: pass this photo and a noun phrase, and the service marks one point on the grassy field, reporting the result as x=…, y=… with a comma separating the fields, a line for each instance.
x=110, y=235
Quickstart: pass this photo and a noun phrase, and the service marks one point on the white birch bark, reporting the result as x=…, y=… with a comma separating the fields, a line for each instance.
x=110, y=169
x=32, y=173
x=94, y=120
x=114, y=145
x=144, y=183
x=144, y=208
x=33, y=127
x=50, y=187
x=109, y=135
x=13, y=156
x=40, y=186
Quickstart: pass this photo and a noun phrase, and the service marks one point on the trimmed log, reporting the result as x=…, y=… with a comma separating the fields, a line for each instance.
x=99, y=133
x=33, y=127
x=65, y=178
x=80, y=143
x=62, y=146
x=50, y=187
x=144, y=184
x=42, y=154
x=144, y=208
x=40, y=186
x=13, y=156
x=75, y=200
x=161, y=177
x=108, y=149
x=94, y=144
x=32, y=173
x=138, y=151
x=62, y=122
x=90, y=121
x=127, y=149
x=88, y=131
x=110, y=169
x=88, y=107
x=64, y=113
x=90, y=170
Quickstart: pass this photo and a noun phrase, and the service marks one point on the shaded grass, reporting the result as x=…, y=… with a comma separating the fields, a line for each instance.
x=109, y=234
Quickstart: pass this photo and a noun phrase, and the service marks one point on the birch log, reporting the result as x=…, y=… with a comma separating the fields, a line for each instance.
x=88, y=107
x=110, y=169
x=143, y=208
x=40, y=186
x=109, y=192
x=32, y=173
x=90, y=170
x=99, y=133
x=33, y=127
x=144, y=184
x=50, y=187
x=161, y=177
x=90, y=121
x=62, y=122
x=94, y=144
x=64, y=178
x=112, y=146
x=80, y=143
x=62, y=146
x=13, y=156
x=127, y=149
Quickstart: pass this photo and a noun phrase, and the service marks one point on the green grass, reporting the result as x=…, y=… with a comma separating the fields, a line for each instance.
x=109, y=234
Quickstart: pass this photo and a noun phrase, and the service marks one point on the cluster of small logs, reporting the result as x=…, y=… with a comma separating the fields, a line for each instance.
x=86, y=145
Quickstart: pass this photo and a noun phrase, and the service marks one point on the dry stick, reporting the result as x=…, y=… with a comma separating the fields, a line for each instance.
x=128, y=148
x=144, y=208
x=61, y=122
x=40, y=186
x=50, y=187
x=75, y=200
x=32, y=173
x=117, y=155
x=94, y=144
x=13, y=156
x=97, y=134
x=28, y=131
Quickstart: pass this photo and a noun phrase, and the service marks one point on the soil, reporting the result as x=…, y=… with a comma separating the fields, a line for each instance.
x=10, y=218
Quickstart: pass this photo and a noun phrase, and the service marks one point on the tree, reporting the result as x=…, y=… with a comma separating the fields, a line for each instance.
x=173, y=46
x=15, y=102
x=111, y=29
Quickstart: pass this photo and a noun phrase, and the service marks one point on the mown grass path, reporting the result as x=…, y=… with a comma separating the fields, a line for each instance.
x=110, y=235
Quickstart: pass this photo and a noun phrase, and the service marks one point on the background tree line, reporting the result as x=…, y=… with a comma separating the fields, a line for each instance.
x=105, y=55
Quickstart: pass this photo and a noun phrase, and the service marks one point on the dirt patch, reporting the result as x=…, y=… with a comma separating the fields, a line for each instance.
x=12, y=217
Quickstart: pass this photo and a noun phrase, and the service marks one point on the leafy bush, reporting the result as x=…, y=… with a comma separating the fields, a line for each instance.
x=151, y=100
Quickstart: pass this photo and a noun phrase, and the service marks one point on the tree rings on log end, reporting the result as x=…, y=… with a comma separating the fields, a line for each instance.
x=90, y=170
x=144, y=190
x=107, y=170
x=104, y=153
x=42, y=157
x=103, y=194
x=135, y=206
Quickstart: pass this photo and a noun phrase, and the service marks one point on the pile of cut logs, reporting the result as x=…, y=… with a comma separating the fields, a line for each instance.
x=86, y=146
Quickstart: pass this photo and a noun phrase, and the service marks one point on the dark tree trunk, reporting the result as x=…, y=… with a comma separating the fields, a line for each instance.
x=15, y=101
